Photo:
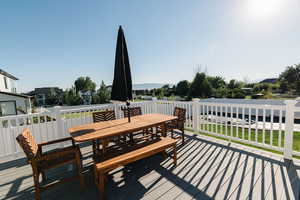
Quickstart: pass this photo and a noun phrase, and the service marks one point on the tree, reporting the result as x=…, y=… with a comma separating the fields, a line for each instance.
x=216, y=81
x=102, y=95
x=200, y=86
x=161, y=93
x=283, y=86
x=84, y=84
x=237, y=93
x=289, y=78
x=220, y=92
x=258, y=88
x=234, y=84
x=182, y=88
x=72, y=98
x=167, y=91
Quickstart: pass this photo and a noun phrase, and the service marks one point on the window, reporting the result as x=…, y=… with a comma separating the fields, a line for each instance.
x=8, y=108
x=5, y=82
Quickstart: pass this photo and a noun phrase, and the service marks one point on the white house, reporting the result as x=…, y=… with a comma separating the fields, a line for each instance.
x=12, y=103
x=7, y=82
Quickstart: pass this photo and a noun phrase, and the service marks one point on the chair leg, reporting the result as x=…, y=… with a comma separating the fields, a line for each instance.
x=175, y=154
x=182, y=133
x=36, y=184
x=44, y=177
x=80, y=169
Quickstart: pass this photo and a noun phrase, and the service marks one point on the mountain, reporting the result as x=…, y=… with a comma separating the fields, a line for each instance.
x=149, y=86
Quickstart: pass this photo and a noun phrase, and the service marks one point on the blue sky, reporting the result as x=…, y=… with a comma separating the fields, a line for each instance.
x=52, y=42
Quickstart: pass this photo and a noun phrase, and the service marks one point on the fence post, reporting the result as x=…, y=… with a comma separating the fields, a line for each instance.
x=59, y=122
x=117, y=110
x=289, y=128
x=195, y=114
x=154, y=99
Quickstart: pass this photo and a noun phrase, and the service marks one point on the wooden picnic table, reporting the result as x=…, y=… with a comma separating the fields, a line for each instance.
x=107, y=129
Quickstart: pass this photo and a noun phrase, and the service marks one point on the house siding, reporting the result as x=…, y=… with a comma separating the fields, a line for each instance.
x=11, y=84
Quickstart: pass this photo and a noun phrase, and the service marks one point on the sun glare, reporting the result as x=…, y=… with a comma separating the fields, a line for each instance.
x=262, y=9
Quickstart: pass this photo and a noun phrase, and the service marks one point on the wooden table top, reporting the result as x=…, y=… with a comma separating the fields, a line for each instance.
x=117, y=127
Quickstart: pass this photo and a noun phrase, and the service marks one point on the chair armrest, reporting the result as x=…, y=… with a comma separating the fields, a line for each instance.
x=57, y=141
x=58, y=153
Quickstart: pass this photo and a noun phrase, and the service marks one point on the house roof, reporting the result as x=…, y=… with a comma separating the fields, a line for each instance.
x=16, y=95
x=269, y=80
x=45, y=90
x=8, y=75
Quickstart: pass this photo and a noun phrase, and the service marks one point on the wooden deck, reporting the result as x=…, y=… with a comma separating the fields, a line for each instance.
x=207, y=169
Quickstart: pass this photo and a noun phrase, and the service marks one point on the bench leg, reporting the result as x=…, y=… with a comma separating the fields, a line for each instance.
x=165, y=155
x=101, y=186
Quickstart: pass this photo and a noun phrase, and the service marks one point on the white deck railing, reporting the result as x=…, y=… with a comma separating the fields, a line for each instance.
x=270, y=127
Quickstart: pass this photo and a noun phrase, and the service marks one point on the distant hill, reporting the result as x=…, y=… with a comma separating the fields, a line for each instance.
x=149, y=86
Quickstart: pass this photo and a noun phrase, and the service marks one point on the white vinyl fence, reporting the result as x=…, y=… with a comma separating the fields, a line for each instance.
x=270, y=127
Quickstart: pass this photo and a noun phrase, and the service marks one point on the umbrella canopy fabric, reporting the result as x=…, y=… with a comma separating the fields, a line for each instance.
x=122, y=84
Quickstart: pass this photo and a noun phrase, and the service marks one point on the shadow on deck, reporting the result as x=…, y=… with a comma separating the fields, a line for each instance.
x=207, y=169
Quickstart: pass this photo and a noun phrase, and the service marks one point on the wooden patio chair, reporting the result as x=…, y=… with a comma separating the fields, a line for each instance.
x=176, y=124
x=136, y=111
x=41, y=162
x=101, y=116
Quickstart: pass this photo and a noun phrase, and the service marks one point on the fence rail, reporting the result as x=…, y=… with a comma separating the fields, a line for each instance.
x=270, y=127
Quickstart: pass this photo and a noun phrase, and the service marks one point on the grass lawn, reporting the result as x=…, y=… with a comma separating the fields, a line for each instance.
x=259, y=136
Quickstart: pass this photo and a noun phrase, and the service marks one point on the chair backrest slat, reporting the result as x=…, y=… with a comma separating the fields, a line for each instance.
x=104, y=116
x=180, y=113
x=28, y=144
x=134, y=111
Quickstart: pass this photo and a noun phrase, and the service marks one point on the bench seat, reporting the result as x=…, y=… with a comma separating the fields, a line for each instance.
x=102, y=168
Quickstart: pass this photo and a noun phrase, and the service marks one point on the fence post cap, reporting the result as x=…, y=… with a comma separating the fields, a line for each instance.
x=195, y=99
x=290, y=102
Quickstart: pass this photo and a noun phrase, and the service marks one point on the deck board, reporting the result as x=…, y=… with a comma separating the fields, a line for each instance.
x=207, y=169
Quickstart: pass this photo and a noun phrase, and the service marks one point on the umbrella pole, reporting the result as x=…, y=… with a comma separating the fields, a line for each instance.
x=128, y=110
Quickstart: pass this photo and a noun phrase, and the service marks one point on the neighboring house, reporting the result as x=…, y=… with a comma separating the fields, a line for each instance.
x=47, y=96
x=7, y=82
x=12, y=103
x=86, y=97
x=269, y=80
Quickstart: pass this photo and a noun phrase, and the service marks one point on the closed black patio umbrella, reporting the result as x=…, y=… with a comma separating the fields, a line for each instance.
x=122, y=83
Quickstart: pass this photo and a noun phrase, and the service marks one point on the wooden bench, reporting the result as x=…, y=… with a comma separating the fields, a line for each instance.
x=101, y=169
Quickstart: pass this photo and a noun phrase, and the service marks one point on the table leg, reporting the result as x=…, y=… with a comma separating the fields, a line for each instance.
x=94, y=147
x=98, y=145
x=131, y=139
x=104, y=145
x=164, y=130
